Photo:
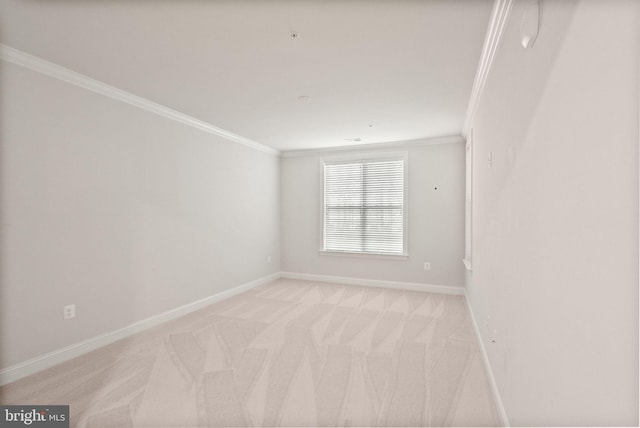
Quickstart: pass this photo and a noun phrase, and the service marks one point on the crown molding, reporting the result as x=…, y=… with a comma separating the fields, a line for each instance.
x=50, y=69
x=499, y=16
x=449, y=139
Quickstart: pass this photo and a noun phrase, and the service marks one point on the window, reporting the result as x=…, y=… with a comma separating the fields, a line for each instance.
x=364, y=205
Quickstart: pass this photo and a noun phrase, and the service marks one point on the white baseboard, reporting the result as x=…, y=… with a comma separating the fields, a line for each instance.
x=34, y=365
x=442, y=289
x=492, y=380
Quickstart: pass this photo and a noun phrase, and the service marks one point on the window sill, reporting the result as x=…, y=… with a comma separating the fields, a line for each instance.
x=364, y=255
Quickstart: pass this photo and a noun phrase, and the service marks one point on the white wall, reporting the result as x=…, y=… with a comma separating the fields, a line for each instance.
x=556, y=217
x=120, y=211
x=436, y=220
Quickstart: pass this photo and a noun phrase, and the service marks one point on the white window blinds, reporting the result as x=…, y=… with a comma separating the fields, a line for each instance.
x=364, y=206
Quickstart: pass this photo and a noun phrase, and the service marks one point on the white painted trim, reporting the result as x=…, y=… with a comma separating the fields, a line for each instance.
x=411, y=286
x=34, y=365
x=394, y=145
x=468, y=203
x=378, y=256
x=497, y=23
x=50, y=69
x=485, y=357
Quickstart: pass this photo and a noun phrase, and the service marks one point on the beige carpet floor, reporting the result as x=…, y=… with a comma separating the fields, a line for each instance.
x=289, y=353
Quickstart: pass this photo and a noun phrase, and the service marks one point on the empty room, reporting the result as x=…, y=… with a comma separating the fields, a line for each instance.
x=353, y=213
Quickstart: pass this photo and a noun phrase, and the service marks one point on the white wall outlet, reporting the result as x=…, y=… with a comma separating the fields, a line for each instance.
x=69, y=312
x=268, y=259
x=427, y=266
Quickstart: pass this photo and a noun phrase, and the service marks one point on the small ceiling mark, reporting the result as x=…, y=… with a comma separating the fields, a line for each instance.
x=294, y=35
x=304, y=98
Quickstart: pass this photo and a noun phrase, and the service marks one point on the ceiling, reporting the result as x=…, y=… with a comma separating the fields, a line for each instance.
x=377, y=71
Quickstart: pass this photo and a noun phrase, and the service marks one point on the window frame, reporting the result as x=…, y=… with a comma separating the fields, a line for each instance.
x=468, y=209
x=365, y=157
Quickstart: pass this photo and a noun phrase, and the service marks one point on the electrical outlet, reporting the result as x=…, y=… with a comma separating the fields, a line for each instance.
x=427, y=266
x=268, y=259
x=69, y=312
